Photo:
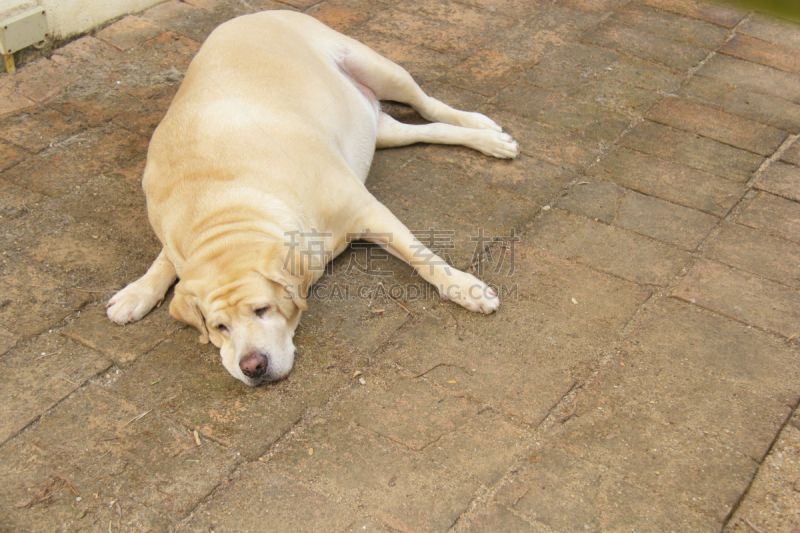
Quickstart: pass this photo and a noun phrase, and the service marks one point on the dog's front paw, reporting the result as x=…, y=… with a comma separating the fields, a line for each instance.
x=470, y=293
x=131, y=303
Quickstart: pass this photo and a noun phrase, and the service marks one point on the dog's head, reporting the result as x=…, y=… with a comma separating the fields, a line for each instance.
x=250, y=314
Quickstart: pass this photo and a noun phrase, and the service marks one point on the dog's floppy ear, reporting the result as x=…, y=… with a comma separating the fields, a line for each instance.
x=185, y=307
x=288, y=266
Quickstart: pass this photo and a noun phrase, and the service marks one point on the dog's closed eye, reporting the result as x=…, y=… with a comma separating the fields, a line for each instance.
x=260, y=312
x=221, y=327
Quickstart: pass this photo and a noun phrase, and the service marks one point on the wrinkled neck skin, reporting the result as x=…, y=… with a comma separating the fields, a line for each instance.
x=226, y=276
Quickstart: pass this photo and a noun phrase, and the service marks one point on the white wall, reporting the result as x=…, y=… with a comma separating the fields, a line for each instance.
x=11, y=7
x=66, y=18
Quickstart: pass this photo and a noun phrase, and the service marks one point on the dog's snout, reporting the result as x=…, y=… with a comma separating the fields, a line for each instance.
x=254, y=365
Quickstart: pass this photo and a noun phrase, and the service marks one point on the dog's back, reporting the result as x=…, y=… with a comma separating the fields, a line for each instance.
x=265, y=107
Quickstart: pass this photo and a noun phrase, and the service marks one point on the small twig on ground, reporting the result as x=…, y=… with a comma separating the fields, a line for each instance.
x=46, y=355
x=70, y=486
x=135, y=418
x=45, y=496
x=753, y=526
x=454, y=319
x=571, y=412
x=398, y=302
x=467, y=372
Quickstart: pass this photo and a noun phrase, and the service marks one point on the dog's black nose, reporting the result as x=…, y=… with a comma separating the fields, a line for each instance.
x=254, y=365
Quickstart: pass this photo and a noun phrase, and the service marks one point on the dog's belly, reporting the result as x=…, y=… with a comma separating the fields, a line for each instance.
x=358, y=153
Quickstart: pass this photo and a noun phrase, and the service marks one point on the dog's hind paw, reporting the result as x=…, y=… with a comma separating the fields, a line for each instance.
x=131, y=304
x=496, y=144
x=477, y=121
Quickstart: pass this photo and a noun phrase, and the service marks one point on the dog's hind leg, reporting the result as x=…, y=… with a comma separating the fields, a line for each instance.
x=490, y=142
x=390, y=81
x=138, y=298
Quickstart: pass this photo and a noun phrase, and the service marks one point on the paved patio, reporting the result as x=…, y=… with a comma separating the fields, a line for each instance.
x=642, y=373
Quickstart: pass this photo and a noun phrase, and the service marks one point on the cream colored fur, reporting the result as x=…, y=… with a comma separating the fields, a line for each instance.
x=273, y=131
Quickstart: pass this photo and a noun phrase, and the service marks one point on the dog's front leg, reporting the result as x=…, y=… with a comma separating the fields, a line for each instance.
x=383, y=228
x=138, y=298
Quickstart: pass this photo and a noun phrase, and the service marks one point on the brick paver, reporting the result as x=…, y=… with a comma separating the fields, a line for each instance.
x=641, y=373
x=688, y=149
x=782, y=180
x=760, y=107
x=726, y=128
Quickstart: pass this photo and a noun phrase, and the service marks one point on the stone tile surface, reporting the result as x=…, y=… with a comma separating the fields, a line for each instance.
x=122, y=344
x=553, y=144
x=11, y=100
x=11, y=155
x=692, y=151
x=612, y=204
x=410, y=412
x=129, y=32
x=640, y=374
x=498, y=518
x=722, y=15
x=77, y=160
x=552, y=108
x=608, y=248
x=792, y=154
x=757, y=252
x=691, y=31
x=182, y=18
x=751, y=76
x=758, y=51
x=645, y=45
x=771, y=502
x=564, y=493
x=728, y=129
x=670, y=181
x=715, y=346
x=179, y=374
x=39, y=375
x=748, y=298
x=770, y=29
x=761, y=107
x=772, y=214
x=36, y=128
x=271, y=500
x=782, y=180
x=404, y=490
x=111, y=453
x=43, y=79
x=677, y=225
x=652, y=456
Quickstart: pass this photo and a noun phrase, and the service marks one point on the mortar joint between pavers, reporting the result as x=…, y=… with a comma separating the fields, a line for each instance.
x=744, y=493
x=771, y=159
x=36, y=420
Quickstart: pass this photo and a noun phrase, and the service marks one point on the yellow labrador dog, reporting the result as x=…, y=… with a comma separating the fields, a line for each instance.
x=267, y=142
